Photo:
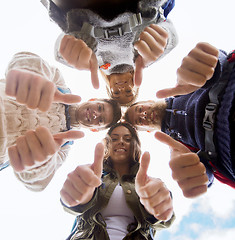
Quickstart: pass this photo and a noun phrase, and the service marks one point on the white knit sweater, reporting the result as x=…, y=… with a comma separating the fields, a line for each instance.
x=16, y=119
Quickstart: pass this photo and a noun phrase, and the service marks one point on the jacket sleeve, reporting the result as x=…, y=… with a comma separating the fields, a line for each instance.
x=36, y=179
x=81, y=208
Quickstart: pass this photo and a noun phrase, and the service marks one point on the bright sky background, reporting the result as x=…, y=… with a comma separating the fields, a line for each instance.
x=25, y=26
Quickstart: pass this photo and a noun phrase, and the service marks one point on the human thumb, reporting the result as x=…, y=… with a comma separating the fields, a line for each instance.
x=141, y=177
x=98, y=159
x=94, y=71
x=66, y=98
x=138, y=75
x=63, y=137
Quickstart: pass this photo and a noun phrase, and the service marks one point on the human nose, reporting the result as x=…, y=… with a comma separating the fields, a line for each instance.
x=121, y=141
x=143, y=115
x=121, y=88
x=95, y=114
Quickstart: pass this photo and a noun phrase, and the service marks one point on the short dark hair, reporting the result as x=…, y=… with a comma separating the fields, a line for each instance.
x=126, y=115
x=116, y=111
x=135, y=143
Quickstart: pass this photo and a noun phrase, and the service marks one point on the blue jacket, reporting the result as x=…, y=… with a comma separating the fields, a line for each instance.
x=184, y=121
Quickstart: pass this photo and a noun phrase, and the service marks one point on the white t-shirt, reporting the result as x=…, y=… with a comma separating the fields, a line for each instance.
x=117, y=215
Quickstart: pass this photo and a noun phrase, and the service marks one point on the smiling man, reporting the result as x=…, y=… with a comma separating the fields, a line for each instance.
x=201, y=115
x=39, y=115
x=98, y=113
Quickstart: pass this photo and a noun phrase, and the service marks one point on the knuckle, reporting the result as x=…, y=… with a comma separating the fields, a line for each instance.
x=201, y=168
x=29, y=134
x=210, y=72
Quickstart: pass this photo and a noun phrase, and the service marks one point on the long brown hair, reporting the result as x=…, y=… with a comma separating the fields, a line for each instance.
x=135, y=142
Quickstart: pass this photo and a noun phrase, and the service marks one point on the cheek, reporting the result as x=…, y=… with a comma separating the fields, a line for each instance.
x=128, y=146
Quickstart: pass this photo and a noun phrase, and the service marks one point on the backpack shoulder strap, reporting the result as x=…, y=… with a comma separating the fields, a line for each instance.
x=168, y=6
x=215, y=95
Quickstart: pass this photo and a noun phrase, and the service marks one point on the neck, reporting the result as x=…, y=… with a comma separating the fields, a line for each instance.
x=73, y=113
x=121, y=169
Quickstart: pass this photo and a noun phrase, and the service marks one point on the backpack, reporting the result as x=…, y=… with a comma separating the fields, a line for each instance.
x=168, y=6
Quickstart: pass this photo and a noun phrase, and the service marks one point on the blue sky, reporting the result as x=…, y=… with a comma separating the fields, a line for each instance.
x=25, y=26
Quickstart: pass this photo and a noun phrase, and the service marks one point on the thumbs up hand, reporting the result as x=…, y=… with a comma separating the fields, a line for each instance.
x=152, y=192
x=35, y=91
x=80, y=184
x=37, y=146
x=186, y=167
x=196, y=68
x=79, y=55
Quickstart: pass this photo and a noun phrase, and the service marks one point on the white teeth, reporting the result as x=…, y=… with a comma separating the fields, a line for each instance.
x=120, y=150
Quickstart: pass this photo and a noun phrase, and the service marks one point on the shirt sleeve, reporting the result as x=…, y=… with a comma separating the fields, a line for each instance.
x=37, y=178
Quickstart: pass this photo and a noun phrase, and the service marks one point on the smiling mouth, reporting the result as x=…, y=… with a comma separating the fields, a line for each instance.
x=120, y=83
x=120, y=150
x=88, y=114
x=151, y=117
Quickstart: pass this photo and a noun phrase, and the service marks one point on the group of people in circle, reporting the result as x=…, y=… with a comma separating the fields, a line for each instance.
x=114, y=198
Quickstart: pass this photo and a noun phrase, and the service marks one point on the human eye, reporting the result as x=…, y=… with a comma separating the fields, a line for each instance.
x=114, y=139
x=128, y=139
x=140, y=109
x=101, y=121
x=99, y=108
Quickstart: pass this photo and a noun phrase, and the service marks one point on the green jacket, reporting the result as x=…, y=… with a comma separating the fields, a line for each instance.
x=90, y=223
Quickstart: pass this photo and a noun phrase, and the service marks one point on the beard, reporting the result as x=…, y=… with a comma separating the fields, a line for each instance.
x=157, y=113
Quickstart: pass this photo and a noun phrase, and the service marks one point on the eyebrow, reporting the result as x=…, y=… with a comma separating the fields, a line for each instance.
x=103, y=112
x=135, y=120
x=125, y=135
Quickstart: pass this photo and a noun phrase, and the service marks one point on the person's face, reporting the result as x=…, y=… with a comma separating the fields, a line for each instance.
x=143, y=115
x=95, y=114
x=120, y=147
x=122, y=87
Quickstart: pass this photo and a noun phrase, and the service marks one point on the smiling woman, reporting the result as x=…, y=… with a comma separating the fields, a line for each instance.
x=128, y=204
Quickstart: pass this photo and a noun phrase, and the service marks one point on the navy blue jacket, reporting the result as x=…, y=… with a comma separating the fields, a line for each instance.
x=184, y=121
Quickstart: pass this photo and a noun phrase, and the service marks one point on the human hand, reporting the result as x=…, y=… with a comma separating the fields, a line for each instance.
x=196, y=68
x=80, y=184
x=79, y=55
x=152, y=192
x=150, y=47
x=35, y=91
x=186, y=167
x=37, y=147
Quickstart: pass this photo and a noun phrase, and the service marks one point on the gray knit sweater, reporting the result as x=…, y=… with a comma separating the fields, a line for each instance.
x=117, y=50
